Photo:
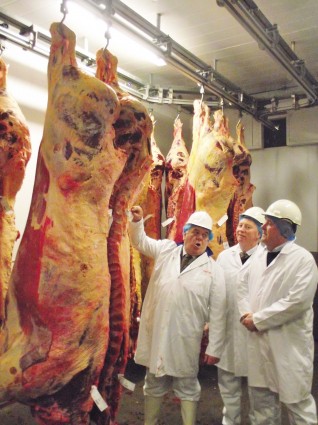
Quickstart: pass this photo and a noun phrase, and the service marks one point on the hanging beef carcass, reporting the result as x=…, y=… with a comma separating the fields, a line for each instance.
x=56, y=332
x=242, y=198
x=151, y=203
x=176, y=174
x=201, y=126
x=133, y=130
x=15, y=152
x=210, y=182
x=213, y=178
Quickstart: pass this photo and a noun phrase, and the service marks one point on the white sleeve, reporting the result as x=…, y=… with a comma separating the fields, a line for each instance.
x=143, y=243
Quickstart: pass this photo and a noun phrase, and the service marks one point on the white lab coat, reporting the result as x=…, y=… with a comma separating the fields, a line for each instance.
x=234, y=356
x=280, y=355
x=176, y=308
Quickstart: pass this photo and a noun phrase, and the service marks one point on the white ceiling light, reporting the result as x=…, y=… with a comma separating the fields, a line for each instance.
x=102, y=6
x=89, y=19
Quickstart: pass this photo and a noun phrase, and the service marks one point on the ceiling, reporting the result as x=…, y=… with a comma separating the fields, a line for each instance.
x=209, y=52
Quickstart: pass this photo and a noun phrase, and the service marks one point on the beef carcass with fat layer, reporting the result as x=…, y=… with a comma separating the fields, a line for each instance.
x=201, y=127
x=56, y=333
x=132, y=134
x=176, y=175
x=212, y=176
x=211, y=183
x=15, y=152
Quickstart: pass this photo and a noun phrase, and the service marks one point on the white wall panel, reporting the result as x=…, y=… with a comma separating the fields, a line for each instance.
x=302, y=127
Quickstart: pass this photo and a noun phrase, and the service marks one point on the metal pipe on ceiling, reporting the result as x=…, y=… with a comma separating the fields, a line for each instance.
x=179, y=57
x=247, y=13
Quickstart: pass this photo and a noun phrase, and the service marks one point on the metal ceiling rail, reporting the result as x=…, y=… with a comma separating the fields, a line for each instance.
x=266, y=34
x=177, y=56
x=38, y=42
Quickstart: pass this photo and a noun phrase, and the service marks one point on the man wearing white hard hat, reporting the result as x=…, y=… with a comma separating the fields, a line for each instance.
x=275, y=300
x=233, y=364
x=186, y=291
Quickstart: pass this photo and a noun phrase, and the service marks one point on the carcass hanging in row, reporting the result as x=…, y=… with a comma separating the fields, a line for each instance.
x=69, y=321
x=56, y=335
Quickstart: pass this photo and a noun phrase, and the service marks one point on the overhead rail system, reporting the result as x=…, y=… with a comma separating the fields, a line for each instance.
x=247, y=13
x=203, y=74
x=211, y=82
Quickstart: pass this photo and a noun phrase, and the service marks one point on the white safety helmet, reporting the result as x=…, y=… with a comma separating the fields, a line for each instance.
x=255, y=213
x=200, y=218
x=285, y=209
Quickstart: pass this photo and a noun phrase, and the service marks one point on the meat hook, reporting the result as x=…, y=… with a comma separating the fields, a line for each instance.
x=63, y=10
x=202, y=93
x=107, y=33
x=222, y=104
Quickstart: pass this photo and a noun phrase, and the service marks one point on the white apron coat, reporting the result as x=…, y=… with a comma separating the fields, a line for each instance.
x=280, y=355
x=176, y=308
x=234, y=356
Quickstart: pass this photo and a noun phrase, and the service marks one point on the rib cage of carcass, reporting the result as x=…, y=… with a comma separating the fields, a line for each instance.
x=211, y=183
x=55, y=337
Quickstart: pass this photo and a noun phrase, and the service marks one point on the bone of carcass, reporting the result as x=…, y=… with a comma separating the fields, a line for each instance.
x=133, y=129
x=242, y=198
x=15, y=152
x=176, y=174
x=56, y=332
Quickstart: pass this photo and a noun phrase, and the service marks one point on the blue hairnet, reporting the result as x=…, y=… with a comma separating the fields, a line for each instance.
x=258, y=224
x=188, y=226
x=286, y=228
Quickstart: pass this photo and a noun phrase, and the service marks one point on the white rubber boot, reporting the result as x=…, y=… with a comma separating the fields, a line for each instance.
x=152, y=409
x=188, y=412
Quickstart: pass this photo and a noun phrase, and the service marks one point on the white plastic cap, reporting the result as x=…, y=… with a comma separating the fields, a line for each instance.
x=200, y=218
x=285, y=209
x=256, y=213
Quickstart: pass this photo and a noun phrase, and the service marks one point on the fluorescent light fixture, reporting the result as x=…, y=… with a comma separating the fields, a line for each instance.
x=102, y=6
x=128, y=43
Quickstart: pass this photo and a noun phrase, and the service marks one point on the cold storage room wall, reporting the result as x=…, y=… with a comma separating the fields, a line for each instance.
x=286, y=172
